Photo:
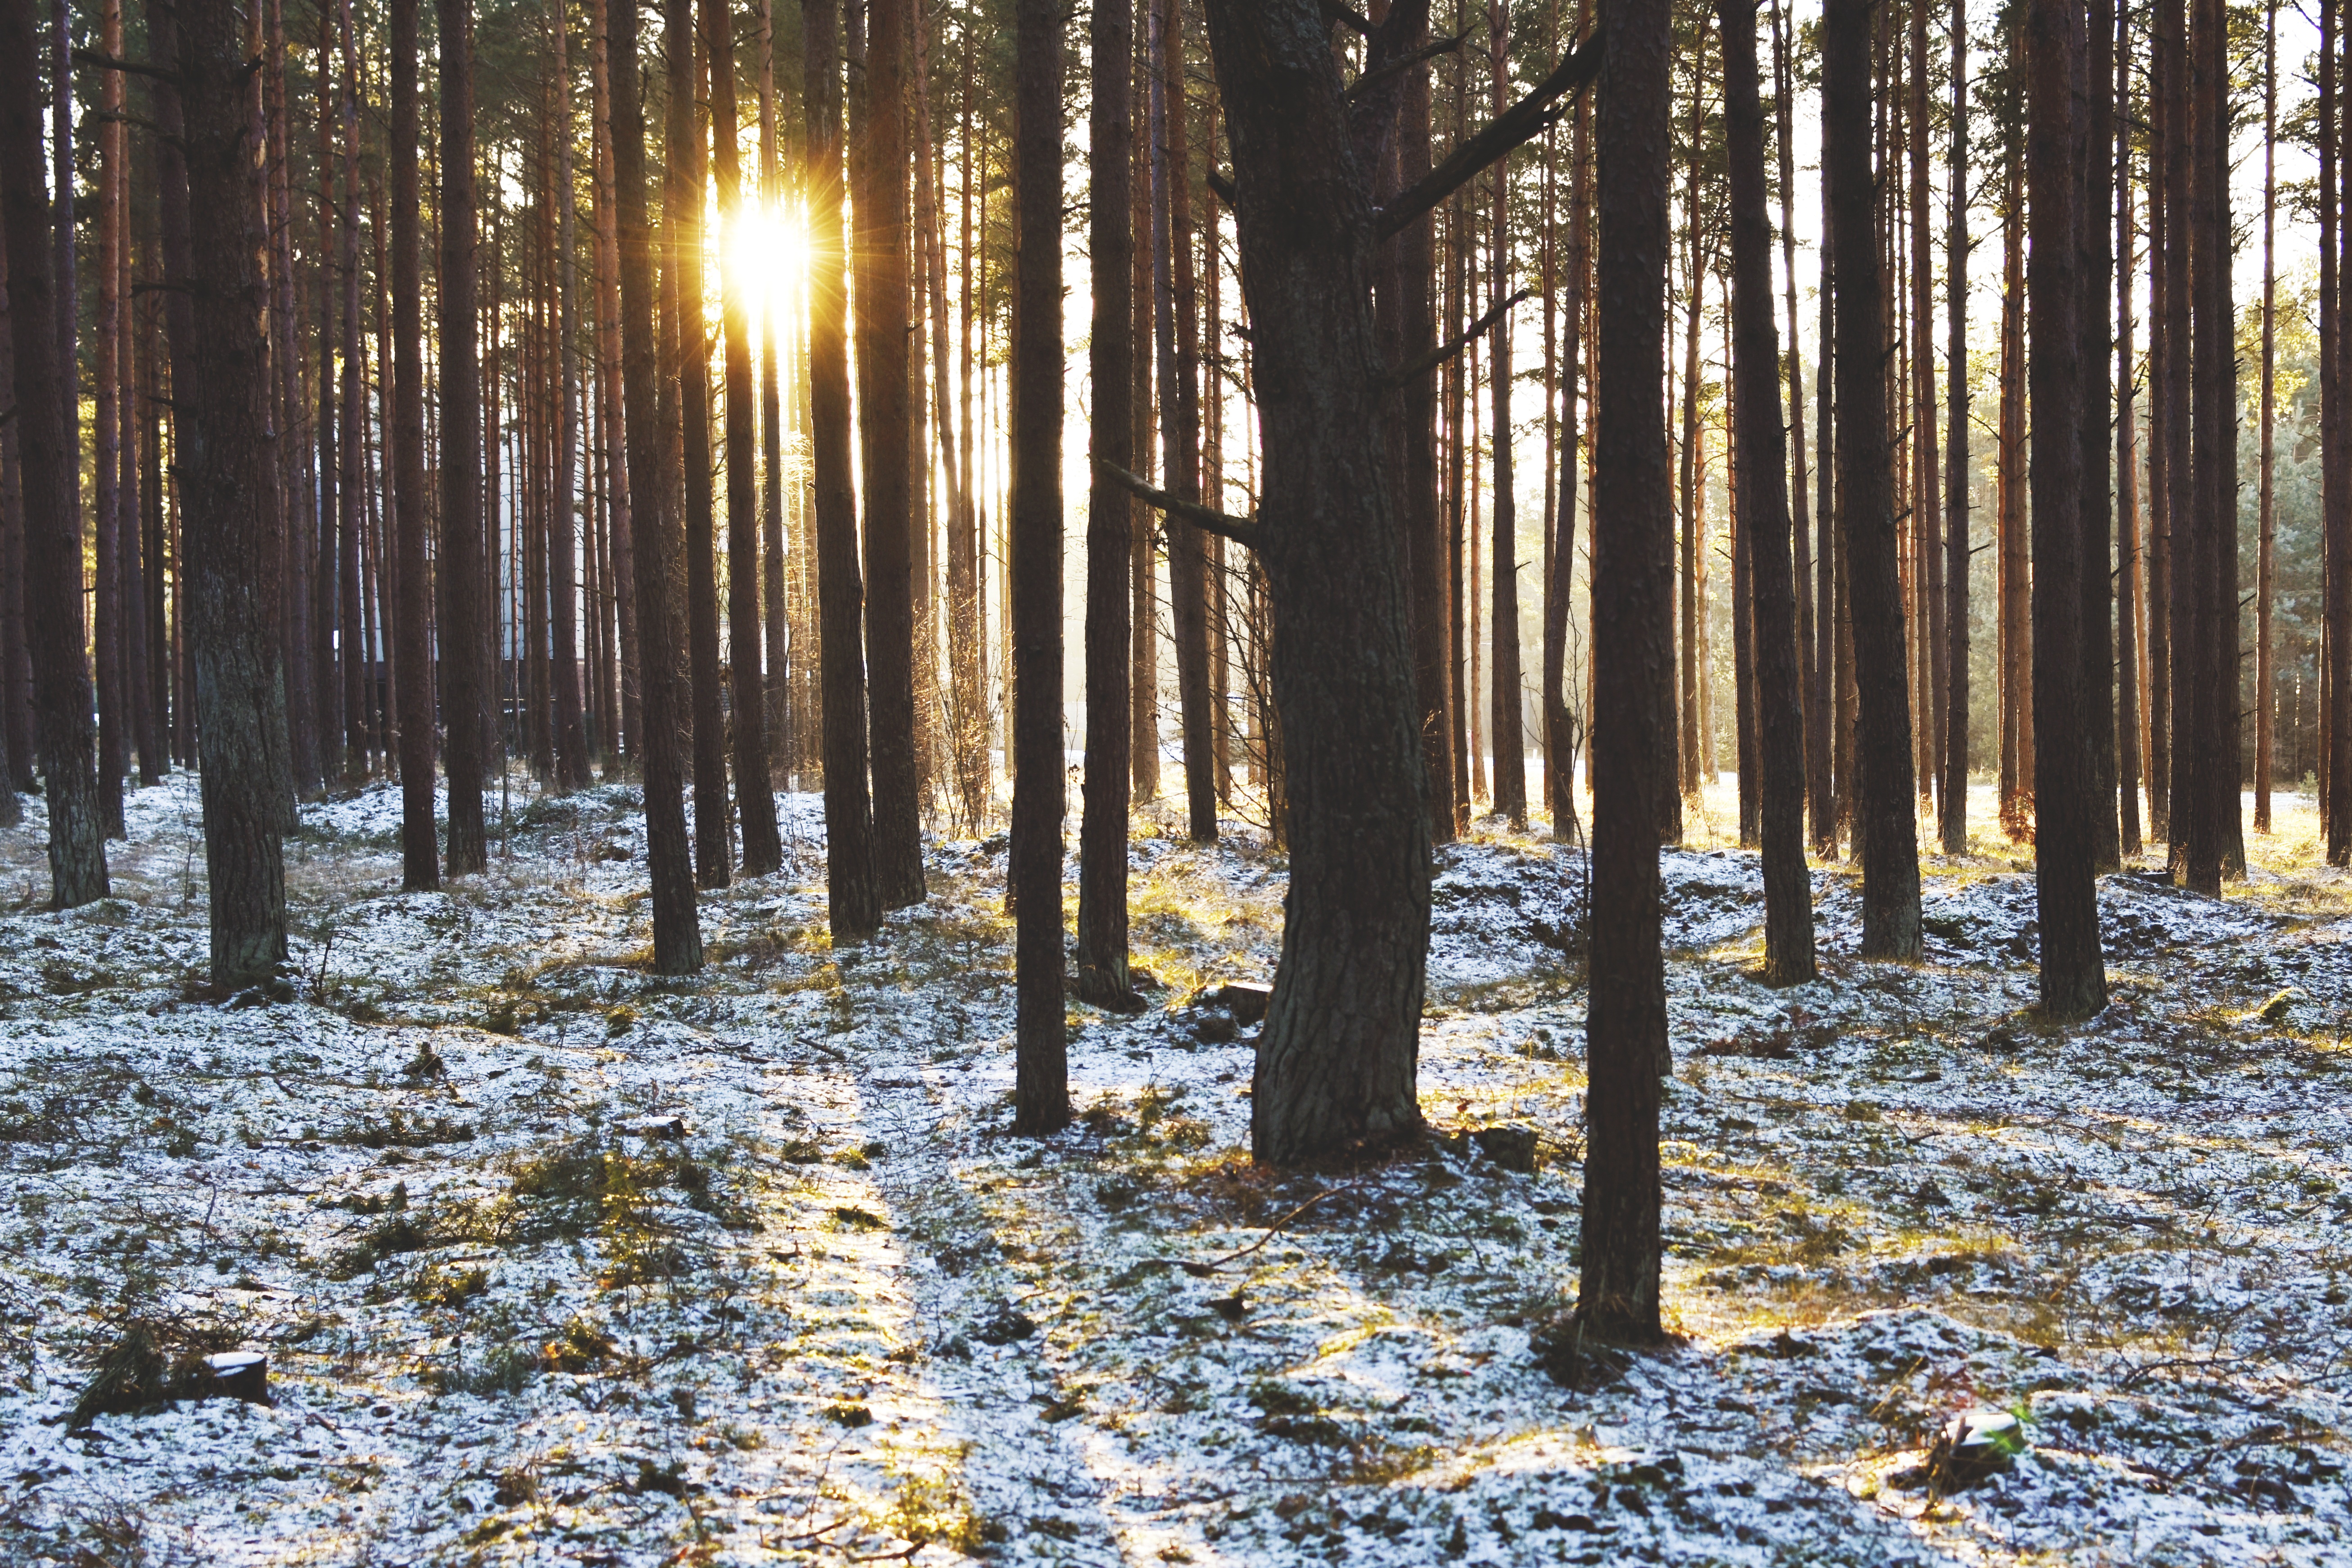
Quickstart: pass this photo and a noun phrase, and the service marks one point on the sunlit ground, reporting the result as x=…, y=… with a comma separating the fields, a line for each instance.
x=556, y=1260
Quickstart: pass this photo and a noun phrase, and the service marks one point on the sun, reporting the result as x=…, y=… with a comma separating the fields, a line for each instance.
x=765, y=253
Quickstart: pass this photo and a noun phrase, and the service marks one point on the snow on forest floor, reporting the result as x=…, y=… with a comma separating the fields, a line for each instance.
x=555, y=1261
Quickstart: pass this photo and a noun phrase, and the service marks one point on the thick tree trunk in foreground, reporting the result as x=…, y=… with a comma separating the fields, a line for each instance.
x=755, y=800
x=1764, y=516
x=2073, y=983
x=1885, y=803
x=463, y=635
x=1110, y=524
x=52, y=521
x=1336, y=1060
x=853, y=904
x=678, y=935
x=1040, y=1101
x=420, y=852
x=231, y=523
x=1634, y=661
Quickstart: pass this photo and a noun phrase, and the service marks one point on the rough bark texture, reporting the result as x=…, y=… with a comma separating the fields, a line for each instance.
x=1633, y=672
x=882, y=419
x=2073, y=982
x=854, y=908
x=1884, y=802
x=420, y=851
x=106, y=587
x=1336, y=1061
x=465, y=674
x=1040, y=1069
x=755, y=801
x=1110, y=523
x=54, y=627
x=230, y=521
x=678, y=935
x=1764, y=516
x=2206, y=553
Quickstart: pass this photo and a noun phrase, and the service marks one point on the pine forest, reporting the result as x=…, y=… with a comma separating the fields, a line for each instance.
x=1224, y=782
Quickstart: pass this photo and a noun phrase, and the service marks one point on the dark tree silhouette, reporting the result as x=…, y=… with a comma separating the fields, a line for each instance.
x=1110, y=525
x=1632, y=673
x=678, y=934
x=52, y=516
x=854, y=906
x=230, y=521
x=1885, y=807
x=1956, y=460
x=1040, y=1101
x=420, y=851
x=755, y=801
x=464, y=637
x=1764, y=515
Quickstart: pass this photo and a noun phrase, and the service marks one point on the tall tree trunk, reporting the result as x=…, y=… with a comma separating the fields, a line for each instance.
x=2266, y=566
x=683, y=185
x=677, y=937
x=1694, y=519
x=232, y=526
x=1110, y=524
x=2213, y=583
x=2094, y=134
x=1926, y=501
x=571, y=739
x=755, y=800
x=463, y=641
x=2161, y=114
x=2130, y=726
x=2331, y=448
x=352, y=488
x=1336, y=1058
x=1041, y=1071
x=1886, y=805
x=1764, y=515
x=1560, y=720
x=854, y=906
x=106, y=589
x=882, y=421
x=15, y=653
x=777, y=698
x=1632, y=655
x=611, y=375
x=420, y=861
x=2335, y=685
x=1180, y=410
x=1510, y=744
x=1956, y=465
x=1143, y=581
x=2073, y=979
x=52, y=519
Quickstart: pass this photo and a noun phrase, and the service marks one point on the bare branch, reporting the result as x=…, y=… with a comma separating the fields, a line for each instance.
x=135, y=67
x=1373, y=77
x=1242, y=530
x=1423, y=365
x=1520, y=123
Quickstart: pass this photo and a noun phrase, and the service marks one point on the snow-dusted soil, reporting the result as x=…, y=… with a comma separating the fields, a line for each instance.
x=555, y=1261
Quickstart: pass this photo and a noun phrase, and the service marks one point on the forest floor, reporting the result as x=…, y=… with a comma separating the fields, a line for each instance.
x=555, y=1261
